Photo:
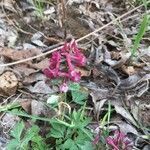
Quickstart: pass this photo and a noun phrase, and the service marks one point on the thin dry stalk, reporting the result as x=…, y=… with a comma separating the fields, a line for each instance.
x=78, y=40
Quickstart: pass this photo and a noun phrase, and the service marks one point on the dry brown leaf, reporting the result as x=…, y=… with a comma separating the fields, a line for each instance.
x=38, y=108
x=2, y=69
x=9, y=120
x=115, y=55
x=40, y=87
x=42, y=64
x=18, y=55
x=118, y=60
x=8, y=83
x=124, y=113
x=24, y=69
x=99, y=98
x=26, y=105
x=127, y=128
x=34, y=78
x=129, y=70
x=84, y=72
x=8, y=4
x=141, y=110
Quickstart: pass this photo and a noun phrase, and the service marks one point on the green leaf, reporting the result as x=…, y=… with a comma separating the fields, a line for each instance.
x=86, y=146
x=56, y=134
x=79, y=96
x=53, y=99
x=87, y=133
x=79, y=120
x=24, y=114
x=38, y=143
x=74, y=86
x=9, y=106
x=17, y=130
x=57, y=130
x=13, y=145
x=140, y=34
x=33, y=131
x=68, y=144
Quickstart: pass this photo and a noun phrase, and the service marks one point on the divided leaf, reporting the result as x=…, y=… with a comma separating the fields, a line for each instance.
x=17, y=131
x=79, y=95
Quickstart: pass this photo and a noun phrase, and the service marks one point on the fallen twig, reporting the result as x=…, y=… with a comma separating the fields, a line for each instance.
x=78, y=40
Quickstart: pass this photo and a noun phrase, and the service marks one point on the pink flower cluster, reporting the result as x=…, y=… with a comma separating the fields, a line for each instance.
x=71, y=57
x=119, y=141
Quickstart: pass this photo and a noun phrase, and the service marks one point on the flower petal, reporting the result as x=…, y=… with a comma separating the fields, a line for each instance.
x=64, y=88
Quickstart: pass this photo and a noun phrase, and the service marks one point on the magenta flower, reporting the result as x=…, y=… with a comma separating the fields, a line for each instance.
x=96, y=139
x=75, y=76
x=64, y=87
x=51, y=73
x=72, y=56
x=119, y=141
x=55, y=60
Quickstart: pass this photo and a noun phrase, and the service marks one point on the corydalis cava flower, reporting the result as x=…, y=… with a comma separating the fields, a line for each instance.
x=71, y=57
x=119, y=141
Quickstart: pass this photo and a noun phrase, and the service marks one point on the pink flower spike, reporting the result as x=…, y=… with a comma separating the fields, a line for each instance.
x=55, y=60
x=64, y=88
x=64, y=62
x=79, y=59
x=63, y=74
x=51, y=73
x=119, y=141
x=65, y=47
x=111, y=142
x=75, y=76
x=68, y=59
x=73, y=45
x=96, y=139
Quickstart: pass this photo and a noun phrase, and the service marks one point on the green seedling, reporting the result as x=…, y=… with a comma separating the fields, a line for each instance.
x=139, y=36
x=25, y=139
x=9, y=106
x=107, y=116
x=72, y=132
x=21, y=113
x=143, y=28
x=39, y=8
x=79, y=94
x=104, y=131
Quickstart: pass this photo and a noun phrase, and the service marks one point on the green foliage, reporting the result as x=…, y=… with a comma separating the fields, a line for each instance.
x=145, y=2
x=143, y=27
x=73, y=135
x=79, y=95
x=141, y=32
x=71, y=132
x=25, y=139
x=21, y=113
x=9, y=106
x=106, y=119
x=39, y=8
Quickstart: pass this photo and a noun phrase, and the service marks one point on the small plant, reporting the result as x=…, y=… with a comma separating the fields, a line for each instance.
x=141, y=32
x=143, y=27
x=25, y=139
x=63, y=64
x=79, y=94
x=119, y=141
x=103, y=133
x=39, y=8
x=72, y=133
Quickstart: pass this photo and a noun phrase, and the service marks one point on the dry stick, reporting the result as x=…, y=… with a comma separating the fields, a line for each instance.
x=78, y=40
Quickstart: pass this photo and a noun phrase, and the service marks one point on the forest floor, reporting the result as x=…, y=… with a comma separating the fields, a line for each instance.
x=74, y=74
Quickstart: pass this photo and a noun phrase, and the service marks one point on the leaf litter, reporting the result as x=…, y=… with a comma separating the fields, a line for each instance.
x=110, y=75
